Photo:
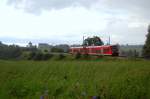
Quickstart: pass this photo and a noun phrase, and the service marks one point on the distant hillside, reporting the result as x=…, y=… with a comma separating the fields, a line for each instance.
x=130, y=50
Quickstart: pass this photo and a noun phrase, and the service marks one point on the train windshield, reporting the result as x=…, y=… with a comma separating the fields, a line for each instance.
x=115, y=50
x=114, y=47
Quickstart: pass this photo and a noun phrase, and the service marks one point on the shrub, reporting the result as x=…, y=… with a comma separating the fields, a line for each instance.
x=38, y=56
x=46, y=56
x=55, y=49
x=31, y=55
x=77, y=55
x=61, y=56
x=86, y=56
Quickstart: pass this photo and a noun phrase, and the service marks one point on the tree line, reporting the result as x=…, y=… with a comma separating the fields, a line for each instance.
x=9, y=51
x=15, y=52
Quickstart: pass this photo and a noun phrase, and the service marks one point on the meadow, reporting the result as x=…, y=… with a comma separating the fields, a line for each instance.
x=75, y=79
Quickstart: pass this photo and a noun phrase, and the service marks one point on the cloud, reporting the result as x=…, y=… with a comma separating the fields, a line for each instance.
x=126, y=30
x=36, y=6
x=124, y=20
x=132, y=7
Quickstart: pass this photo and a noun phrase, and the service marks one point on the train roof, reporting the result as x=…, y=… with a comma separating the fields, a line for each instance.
x=93, y=46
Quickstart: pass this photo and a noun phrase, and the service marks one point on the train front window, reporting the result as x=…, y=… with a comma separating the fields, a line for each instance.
x=115, y=48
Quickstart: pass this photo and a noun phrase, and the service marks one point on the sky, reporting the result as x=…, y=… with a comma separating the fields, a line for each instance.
x=67, y=21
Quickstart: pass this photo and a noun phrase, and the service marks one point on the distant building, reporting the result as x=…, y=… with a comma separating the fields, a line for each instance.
x=44, y=47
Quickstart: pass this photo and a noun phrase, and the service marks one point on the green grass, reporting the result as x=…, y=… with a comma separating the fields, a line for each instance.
x=75, y=79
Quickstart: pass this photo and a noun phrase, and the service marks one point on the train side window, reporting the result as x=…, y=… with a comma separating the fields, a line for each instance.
x=98, y=51
x=105, y=50
x=87, y=50
x=93, y=50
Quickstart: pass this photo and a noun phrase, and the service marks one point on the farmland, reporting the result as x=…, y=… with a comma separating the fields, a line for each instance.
x=75, y=79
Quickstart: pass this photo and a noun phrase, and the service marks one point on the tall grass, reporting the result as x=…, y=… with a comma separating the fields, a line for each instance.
x=75, y=79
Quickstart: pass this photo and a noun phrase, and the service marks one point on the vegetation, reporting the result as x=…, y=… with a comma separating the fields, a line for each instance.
x=130, y=50
x=9, y=52
x=13, y=52
x=106, y=78
x=79, y=77
x=77, y=56
x=95, y=40
x=39, y=56
x=146, y=48
x=61, y=56
x=55, y=49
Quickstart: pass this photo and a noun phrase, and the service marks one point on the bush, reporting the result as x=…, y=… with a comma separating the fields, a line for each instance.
x=47, y=56
x=61, y=56
x=38, y=56
x=86, y=56
x=55, y=49
x=31, y=55
x=77, y=55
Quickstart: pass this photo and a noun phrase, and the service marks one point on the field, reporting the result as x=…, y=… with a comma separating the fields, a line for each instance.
x=75, y=79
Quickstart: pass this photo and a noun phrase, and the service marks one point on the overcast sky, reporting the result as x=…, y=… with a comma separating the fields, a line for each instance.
x=66, y=21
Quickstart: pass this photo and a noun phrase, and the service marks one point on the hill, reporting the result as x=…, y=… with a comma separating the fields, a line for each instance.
x=129, y=50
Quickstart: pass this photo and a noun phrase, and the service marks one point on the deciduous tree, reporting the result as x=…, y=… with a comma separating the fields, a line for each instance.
x=95, y=40
x=146, y=47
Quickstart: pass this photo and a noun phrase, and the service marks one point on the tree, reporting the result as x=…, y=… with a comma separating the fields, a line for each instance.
x=55, y=49
x=146, y=47
x=95, y=40
x=10, y=52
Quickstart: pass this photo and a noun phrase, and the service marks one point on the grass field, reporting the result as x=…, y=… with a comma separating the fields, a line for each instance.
x=75, y=79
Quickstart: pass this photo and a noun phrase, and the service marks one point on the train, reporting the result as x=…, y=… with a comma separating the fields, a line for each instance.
x=106, y=50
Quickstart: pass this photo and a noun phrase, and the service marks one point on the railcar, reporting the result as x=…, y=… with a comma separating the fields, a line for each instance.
x=109, y=50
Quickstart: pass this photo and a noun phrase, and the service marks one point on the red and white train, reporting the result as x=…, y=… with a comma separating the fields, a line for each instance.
x=110, y=50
